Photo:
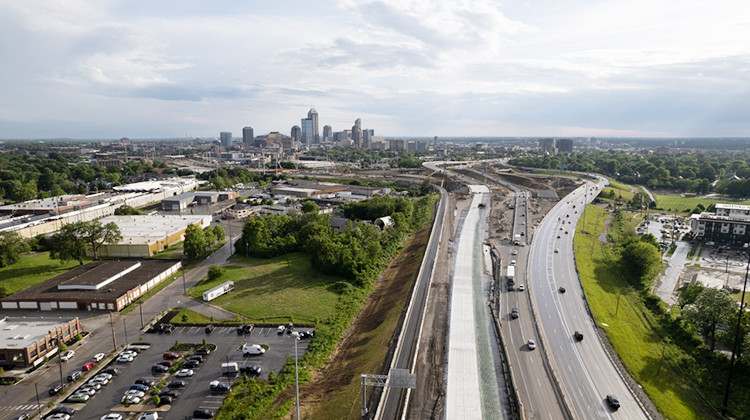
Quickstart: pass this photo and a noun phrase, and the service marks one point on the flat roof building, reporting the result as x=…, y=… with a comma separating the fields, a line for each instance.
x=105, y=285
x=26, y=341
x=178, y=202
x=144, y=236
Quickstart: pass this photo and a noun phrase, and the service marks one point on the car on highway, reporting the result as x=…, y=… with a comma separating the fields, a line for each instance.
x=531, y=344
x=55, y=389
x=613, y=402
x=514, y=313
x=252, y=350
x=557, y=250
x=87, y=366
x=578, y=335
x=558, y=236
x=67, y=355
x=184, y=373
x=514, y=252
x=112, y=416
x=78, y=397
x=561, y=289
x=98, y=357
x=521, y=287
x=512, y=262
x=203, y=413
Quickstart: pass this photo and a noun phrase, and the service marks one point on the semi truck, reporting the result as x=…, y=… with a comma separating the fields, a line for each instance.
x=517, y=239
x=511, y=274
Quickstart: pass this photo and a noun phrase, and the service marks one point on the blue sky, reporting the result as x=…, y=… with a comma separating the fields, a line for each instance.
x=169, y=68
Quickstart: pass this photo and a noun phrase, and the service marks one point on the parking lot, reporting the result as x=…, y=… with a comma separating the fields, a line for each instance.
x=196, y=394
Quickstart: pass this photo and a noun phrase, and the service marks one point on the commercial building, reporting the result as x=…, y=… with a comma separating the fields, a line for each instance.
x=248, y=136
x=730, y=224
x=144, y=236
x=225, y=137
x=26, y=341
x=52, y=205
x=105, y=285
x=310, y=133
x=357, y=133
x=178, y=202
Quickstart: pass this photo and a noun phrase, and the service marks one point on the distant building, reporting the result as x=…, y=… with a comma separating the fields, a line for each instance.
x=729, y=225
x=564, y=145
x=225, y=137
x=27, y=341
x=248, y=136
x=310, y=134
x=296, y=134
x=398, y=145
x=367, y=135
x=327, y=134
x=547, y=145
x=357, y=133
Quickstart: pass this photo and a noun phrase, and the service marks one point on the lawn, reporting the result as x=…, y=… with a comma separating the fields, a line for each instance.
x=31, y=269
x=629, y=326
x=275, y=290
x=679, y=204
x=621, y=190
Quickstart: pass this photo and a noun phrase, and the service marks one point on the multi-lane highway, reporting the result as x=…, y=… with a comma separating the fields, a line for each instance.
x=586, y=372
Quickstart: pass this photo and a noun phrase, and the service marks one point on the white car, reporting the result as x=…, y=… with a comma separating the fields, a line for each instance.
x=96, y=385
x=58, y=416
x=130, y=399
x=521, y=287
x=252, y=350
x=135, y=393
x=512, y=262
x=514, y=252
x=112, y=416
x=98, y=357
x=87, y=389
x=531, y=344
x=183, y=373
x=65, y=356
x=100, y=380
x=124, y=359
x=149, y=416
x=106, y=375
x=557, y=250
x=129, y=353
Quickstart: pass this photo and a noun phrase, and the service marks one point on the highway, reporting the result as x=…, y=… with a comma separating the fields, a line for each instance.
x=586, y=372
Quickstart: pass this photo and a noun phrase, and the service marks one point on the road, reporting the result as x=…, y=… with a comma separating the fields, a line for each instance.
x=393, y=402
x=21, y=398
x=586, y=372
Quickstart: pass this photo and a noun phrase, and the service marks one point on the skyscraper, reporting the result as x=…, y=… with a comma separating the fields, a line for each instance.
x=357, y=133
x=327, y=134
x=367, y=135
x=248, y=136
x=312, y=114
x=308, y=136
x=226, y=138
x=296, y=134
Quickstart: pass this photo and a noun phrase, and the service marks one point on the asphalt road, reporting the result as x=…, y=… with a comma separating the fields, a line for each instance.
x=535, y=388
x=584, y=368
x=394, y=402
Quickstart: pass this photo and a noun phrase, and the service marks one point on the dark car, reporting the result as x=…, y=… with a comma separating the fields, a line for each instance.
x=198, y=357
x=203, y=350
x=134, y=349
x=192, y=363
x=561, y=289
x=169, y=393
x=67, y=410
x=165, y=328
x=74, y=375
x=177, y=383
x=289, y=328
x=111, y=371
x=514, y=313
x=578, y=335
x=165, y=400
x=167, y=363
x=56, y=389
x=306, y=334
x=244, y=329
x=252, y=370
x=156, y=369
x=210, y=329
x=139, y=387
x=145, y=381
x=203, y=413
x=613, y=402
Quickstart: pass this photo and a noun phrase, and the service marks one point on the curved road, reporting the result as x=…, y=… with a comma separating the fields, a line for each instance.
x=584, y=368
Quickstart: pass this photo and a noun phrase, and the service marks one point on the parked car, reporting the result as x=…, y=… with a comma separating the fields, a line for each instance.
x=112, y=416
x=203, y=413
x=88, y=390
x=170, y=355
x=87, y=366
x=210, y=329
x=167, y=363
x=158, y=369
x=177, y=383
x=184, y=373
x=135, y=393
x=169, y=393
x=124, y=358
x=58, y=416
x=104, y=375
x=112, y=371
x=98, y=357
x=74, y=375
x=244, y=329
x=306, y=334
x=220, y=387
x=252, y=370
x=55, y=389
x=64, y=410
x=192, y=363
x=289, y=328
x=197, y=357
x=145, y=381
x=22, y=417
x=204, y=351
x=130, y=399
x=165, y=328
x=96, y=385
x=149, y=416
x=613, y=402
x=164, y=400
x=280, y=329
x=99, y=380
x=78, y=397
x=252, y=350
x=67, y=355
x=139, y=387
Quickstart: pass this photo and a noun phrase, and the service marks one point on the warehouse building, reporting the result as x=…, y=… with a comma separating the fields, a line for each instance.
x=105, y=285
x=178, y=202
x=27, y=341
x=144, y=236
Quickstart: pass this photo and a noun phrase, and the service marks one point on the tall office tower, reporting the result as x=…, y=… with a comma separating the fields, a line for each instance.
x=248, y=136
x=357, y=133
x=435, y=141
x=307, y=131
x=327, y=134
x=367, y=135
x=296, y=134
x=226, y=138
x=312, y=114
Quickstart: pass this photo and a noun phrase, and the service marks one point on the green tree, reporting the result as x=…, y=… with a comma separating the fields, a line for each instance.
x=11, y=248
x=68, y=243
x=310, y=207
x=425, y=187
x=95, y=234
x=126, y=210
x=689, y=294
x=712, y=308
x=194, y=245
x=219, y=233
x=641, y=260
x=215, y=271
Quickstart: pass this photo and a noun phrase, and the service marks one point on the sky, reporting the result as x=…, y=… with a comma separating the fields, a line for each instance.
x=186, y=68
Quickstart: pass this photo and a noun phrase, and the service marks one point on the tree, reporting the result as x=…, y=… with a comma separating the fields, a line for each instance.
x=126, y=210
x=11, y=248
x=310, y=207
x=219, y=233
x=712, y=308
x=68, y=243
x=642, y=260
x=689, y=294
x=215, y=271
x=95, y=234
x=195, y=242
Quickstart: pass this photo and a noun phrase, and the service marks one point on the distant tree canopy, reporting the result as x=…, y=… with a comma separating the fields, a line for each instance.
x=126, y=210
x=11, y=248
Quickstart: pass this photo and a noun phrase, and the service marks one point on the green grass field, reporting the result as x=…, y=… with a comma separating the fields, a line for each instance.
x=31, y=269
x=275, y=290
x=621, y=190
x=629, y=325
x=678, y=204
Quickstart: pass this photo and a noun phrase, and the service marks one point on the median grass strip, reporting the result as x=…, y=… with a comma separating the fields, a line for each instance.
x=630, y=325
x=31, y=269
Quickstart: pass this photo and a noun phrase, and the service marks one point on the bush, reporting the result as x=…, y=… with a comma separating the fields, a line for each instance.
x=214, y=272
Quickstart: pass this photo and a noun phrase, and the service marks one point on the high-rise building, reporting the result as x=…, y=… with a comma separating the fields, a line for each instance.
x=547, y=145
x=226, y=138
x=296, y=134
x=327, y=134
x=564, y=145
x=357, y=133
x=248, y=136
x=307, y=136
x=367, y=135
x=312, y=114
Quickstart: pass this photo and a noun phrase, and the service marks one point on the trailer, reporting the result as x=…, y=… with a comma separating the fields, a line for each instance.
x=511, y=274
x=217, y=291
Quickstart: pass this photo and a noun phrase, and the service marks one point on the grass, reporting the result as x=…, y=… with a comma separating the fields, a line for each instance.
x=621, y=190
x=630, y=326
x=31, y=269
x=679, y=204
x=275, y=290
x=174, y=252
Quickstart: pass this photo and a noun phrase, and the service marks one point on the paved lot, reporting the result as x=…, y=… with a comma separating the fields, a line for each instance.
x=196, y=394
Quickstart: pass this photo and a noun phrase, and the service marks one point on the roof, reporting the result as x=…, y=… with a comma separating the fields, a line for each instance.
x=91, y=274
x=732, y=206
x=21, y=332
x=188, y=196
x=147, y=229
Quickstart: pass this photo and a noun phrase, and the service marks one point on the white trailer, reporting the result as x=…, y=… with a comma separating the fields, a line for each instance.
x=217, y=291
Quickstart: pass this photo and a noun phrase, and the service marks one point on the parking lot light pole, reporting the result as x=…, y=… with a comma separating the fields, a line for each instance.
x=125, y=326
x=295, y=335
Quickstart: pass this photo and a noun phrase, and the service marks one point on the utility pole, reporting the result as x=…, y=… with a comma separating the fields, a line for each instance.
x=112, y=325
x=125, y=326
x=59, y=358
x=38, y=404
x=184, y=287
x=736, y=340
x=140, y=309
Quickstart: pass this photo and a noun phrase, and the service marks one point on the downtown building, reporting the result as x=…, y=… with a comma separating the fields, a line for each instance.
x=729, y=225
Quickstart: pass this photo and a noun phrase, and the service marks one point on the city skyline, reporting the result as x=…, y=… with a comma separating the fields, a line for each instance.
x=88, y=69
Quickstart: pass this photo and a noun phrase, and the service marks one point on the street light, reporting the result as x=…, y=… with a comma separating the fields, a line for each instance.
x=295, y=335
